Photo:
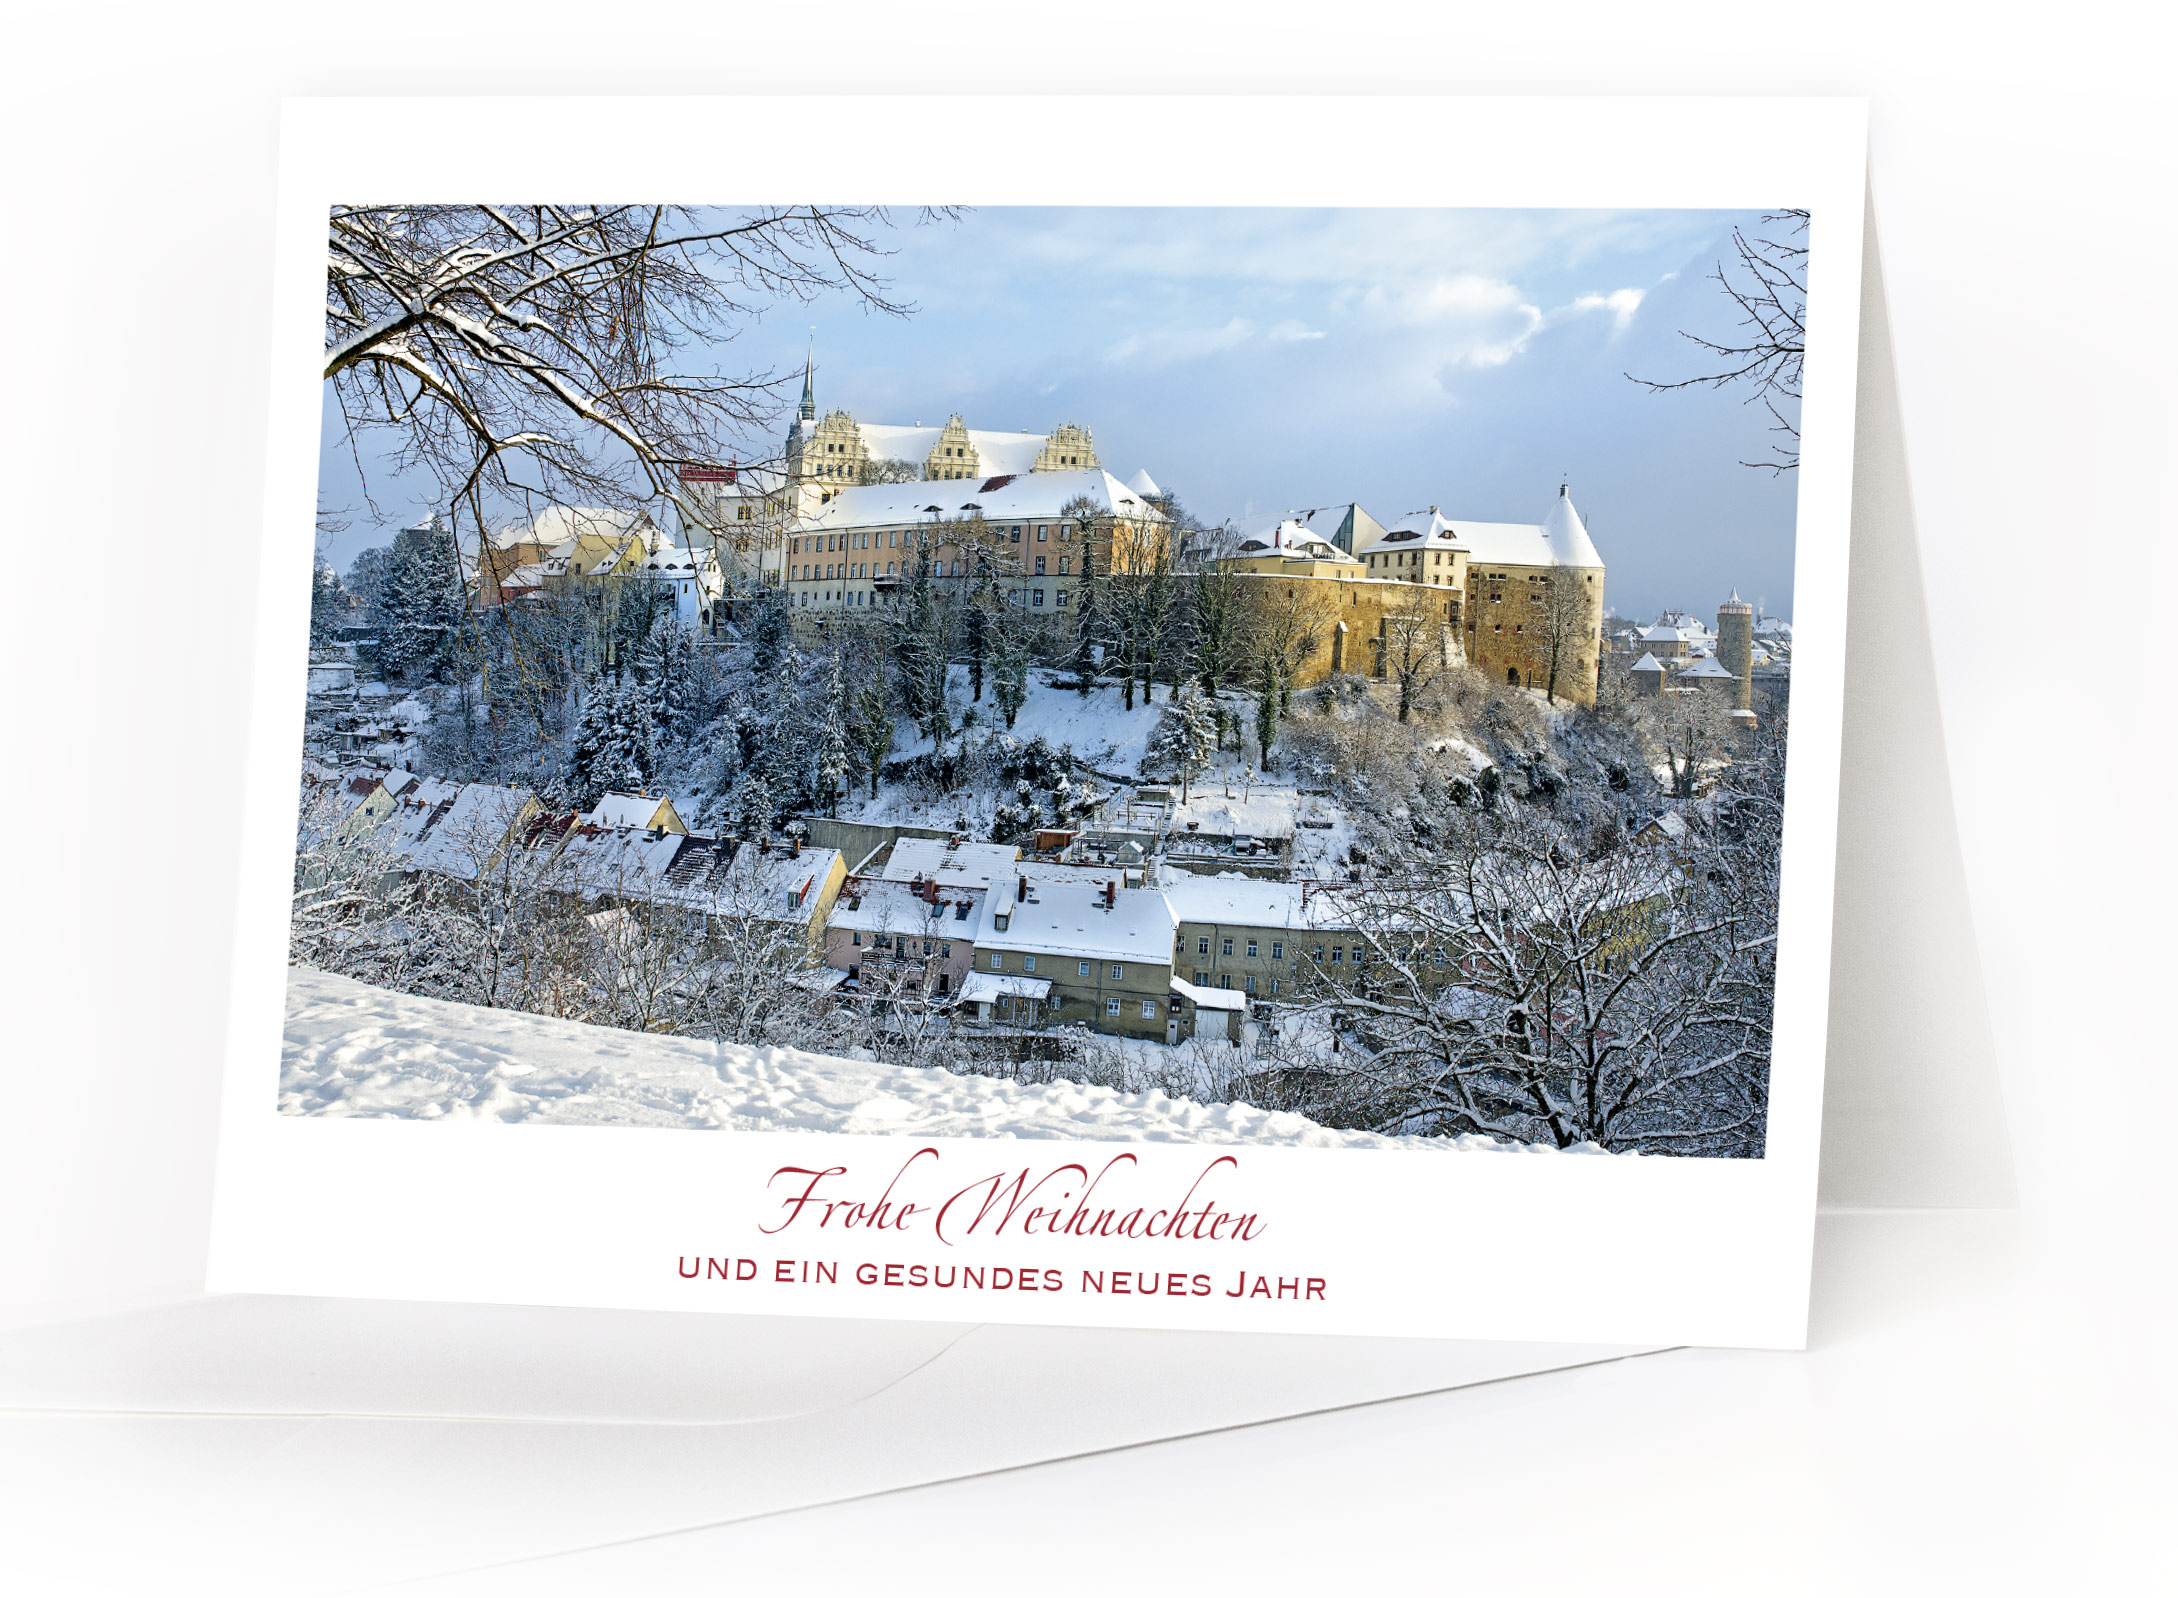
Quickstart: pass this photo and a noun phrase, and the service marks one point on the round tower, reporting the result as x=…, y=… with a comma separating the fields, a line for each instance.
x=1735, y=646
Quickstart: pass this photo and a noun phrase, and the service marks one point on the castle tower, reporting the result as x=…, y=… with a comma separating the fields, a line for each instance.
x=1735, y=645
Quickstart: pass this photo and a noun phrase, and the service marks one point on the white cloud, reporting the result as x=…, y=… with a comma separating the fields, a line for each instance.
x=1621, y=303
x=1165, y=346
x=1463, y=320
x=1290, y=331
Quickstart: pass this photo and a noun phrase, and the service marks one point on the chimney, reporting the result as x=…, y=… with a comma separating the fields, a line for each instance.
x=930, y=890
x=1111, y=891
x=1021, y=891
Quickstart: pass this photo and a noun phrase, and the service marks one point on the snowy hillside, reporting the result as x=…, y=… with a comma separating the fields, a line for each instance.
x=352, y=1049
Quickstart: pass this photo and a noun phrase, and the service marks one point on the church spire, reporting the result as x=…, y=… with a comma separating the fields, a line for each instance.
x=809, y=381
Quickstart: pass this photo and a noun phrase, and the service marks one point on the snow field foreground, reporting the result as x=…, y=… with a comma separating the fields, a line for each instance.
x=355, y=1050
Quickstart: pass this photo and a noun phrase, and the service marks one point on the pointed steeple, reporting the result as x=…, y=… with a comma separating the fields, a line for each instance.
x=809, y=380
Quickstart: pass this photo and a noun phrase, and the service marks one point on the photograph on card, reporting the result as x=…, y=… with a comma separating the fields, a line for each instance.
x=1296, y=677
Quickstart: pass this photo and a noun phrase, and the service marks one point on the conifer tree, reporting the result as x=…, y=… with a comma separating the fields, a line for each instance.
x=421, y=606
x=1088, y=617
x=1185, y=737
x=832, y=763
x=328, y=607
x=873, y=728
x=1012, y=668
x=615, y=742
x=768, y=630
x=1266, y=710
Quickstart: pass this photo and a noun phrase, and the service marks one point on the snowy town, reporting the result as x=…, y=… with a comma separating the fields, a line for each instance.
x=931, y=755
x=1007, y=809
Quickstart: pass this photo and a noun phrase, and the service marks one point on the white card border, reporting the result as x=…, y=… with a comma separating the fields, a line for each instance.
x=1491, y=1246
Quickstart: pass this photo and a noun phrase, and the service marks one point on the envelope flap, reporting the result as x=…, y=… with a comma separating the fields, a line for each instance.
x=248, y=1355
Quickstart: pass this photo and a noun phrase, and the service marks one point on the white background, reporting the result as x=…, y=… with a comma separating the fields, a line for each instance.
x=1976, y=1411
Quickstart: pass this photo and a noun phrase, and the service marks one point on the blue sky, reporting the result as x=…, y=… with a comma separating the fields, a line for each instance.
x=1261, y=360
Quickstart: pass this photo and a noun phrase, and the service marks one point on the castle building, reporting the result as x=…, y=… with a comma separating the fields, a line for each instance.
x=1036, y=536
x=1735, y=645
x=1526, y=599
x=837, y=451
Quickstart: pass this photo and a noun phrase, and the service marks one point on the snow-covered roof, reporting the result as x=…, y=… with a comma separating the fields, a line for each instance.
x=455, y=830
x=1066, y=919
x=1668, y=822
x=1558, y=540
x=966, y=864
x=1004, y=497
x=995, y=452
x=559, y=524
x=1144, y=484
x=1210, y=998
x=1663, y=633
x=1233, y=900
x=1709, y=668
x=876, y=904
x=981, y=987
x=1647, y=663
x=1265, y=813
x=1289, y=536
x=1428, y=529
x=627, y=810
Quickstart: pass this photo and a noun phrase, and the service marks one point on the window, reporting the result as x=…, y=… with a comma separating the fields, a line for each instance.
x=1278, y=951
x=998, y=962
x=884, y=940
x=1149, y=1009
x=1039, y=565
x=1202, y=979
x=1111, y=1007
x=1251, y=984
x=1040, y=534
x=857, y=940
x=926, y=946
x=1319, y=954
x=1338, y=953
x=1228, y=948
x=1038, y=602
x=1225, y=979
x=1119, y=973
x=1274, y=985
x=945, y=951
x=1028, y=962
x=1202, y=945
x=1065, y=564
x=1081, y=968
x=1062, y=599
x=1251, y=948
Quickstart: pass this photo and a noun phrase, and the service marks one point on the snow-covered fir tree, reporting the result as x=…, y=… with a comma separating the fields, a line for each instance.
x=616, y=744
x=832, y=764
x=1186, y=736
x=421, y=607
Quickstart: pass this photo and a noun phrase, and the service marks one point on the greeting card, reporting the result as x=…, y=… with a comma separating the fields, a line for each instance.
x=1199, y=713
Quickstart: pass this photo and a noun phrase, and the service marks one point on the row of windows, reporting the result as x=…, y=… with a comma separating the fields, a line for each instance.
x=1034, y=599
x=883, y=940
x=1278, y=950
x=1082, y=968
x=826, y=543
x=1225, y=980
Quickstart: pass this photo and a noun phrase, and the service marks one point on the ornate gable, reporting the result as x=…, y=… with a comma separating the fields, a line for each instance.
x=1067, y=449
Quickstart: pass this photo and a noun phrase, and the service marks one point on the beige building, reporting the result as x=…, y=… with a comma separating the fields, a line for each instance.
x=1050, y=954
x=1526, y=591
x=1249, y=936
x=858, y=550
